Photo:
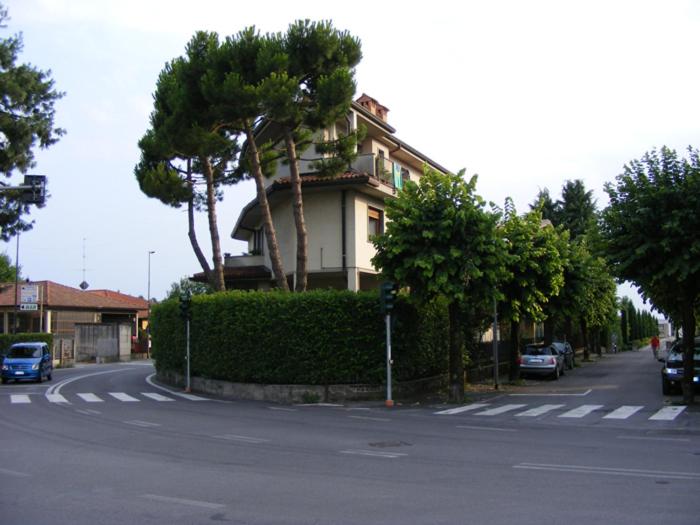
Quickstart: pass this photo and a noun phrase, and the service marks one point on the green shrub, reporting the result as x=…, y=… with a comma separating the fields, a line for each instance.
x=7, y=340
x=318, y=338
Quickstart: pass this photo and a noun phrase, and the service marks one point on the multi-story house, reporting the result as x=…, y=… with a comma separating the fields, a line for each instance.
x=342, y=213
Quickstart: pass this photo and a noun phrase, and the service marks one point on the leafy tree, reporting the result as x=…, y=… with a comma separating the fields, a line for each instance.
x=188, y=286
x=7, y=270
x=597, y=302
x=548, y=208
x=576, y=209
x=27, y=98
x=652, y=231
x=440, y=241
x=536, y=272
x=188, y=154
x=310, y=92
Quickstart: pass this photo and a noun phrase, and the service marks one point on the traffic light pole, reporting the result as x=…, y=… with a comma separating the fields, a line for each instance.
x=389, y=400
x=187, y=386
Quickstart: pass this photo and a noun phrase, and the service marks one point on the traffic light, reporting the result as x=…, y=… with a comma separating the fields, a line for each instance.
x=387, y=296
x=185, y=306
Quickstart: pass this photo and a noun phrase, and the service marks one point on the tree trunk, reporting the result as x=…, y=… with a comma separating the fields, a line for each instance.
x=514, y=368
x=191, y=233
x=598, y=346
x=298, y=209
x=548, y=331
x=584, y=334
x=456, y=360
x=270, y=235
x=218, y=273
x=688, y=343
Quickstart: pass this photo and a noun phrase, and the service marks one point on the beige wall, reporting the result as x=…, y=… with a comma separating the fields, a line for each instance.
x=364, y=249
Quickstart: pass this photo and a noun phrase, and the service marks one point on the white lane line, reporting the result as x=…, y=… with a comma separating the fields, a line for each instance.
x=499, y=410
x=623, y=412
x=144, y=424
x=493, y=429
x=157, y=397
x=56, y=389
x=367, y=418
x=667, y=413
x=581, y=411
x=538, y=411
x=244, y=439
x=643, y=438
x=14, y=473
x=281, y=409
x=183, y=501
x=464, y=408
x=189, y=397
x=121, y=396
x=583, y=394
x=90, y=398
x=367, y=409
x=374, y=454
x=580, y=469
x=318, y=405
x=88, y=412
x=19, y=398
x=56, y=398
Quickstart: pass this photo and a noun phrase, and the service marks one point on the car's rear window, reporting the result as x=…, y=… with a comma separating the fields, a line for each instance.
x=529, y=350
x=24, y=352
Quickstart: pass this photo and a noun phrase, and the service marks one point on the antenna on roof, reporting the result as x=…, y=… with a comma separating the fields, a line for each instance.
x=84, y=285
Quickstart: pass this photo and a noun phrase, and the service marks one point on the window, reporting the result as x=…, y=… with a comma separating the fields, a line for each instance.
x=375, y=222
x=404, y=176
x=258, y=241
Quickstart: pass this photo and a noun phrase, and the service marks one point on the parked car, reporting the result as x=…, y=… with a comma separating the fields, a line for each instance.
x=672, y=372
x=564, y=348
x=27, y=361
x=541, y=360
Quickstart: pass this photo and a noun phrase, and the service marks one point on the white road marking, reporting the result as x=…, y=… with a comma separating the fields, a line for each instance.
x=317, y=405
x=584, y=394
x=581, y=411
x=623, y=412
x=281, y=409
x=121, y=396
x=580, y=469
x=464, y=408
x=90, y=398
x=14, y=473
x=189, y=397
x=375, y=454
x=499, y=410
x=667, y=413
x=144, y=424
x=88, y=412
x=648, y=438
x=56, y=398
x=538, y=411
x=56, y=389
x=157, y=397
x=19, y=398
x=244, y=439
x=494, y=429
x=367, y=418
x=183, y=501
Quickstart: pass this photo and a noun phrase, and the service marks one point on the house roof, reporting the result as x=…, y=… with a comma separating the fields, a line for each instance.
x=251, y=214
x=54, y=295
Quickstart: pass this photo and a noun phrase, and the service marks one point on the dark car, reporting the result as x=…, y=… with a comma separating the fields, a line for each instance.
x=564, y=348
x=27, y=361
x=538, y=359
x=672, y=372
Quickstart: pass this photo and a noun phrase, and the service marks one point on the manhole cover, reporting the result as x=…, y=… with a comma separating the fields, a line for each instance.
x=388, y=444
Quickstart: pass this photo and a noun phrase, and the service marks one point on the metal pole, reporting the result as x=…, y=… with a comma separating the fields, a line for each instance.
x=187, y=387
x=15, y=320
x=148, y=326
x=495, y=343
x=389, y=401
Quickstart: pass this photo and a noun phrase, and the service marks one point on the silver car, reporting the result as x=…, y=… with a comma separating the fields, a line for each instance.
x=542, y=360
x=564, y=348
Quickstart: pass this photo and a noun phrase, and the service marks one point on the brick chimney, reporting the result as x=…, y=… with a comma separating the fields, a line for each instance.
x=374, y=107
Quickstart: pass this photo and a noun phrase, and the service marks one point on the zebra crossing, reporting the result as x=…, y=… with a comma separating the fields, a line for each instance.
x=668, y=413
x=90, y=397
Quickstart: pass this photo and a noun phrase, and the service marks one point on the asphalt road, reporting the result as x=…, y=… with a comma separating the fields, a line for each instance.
x=104, y=445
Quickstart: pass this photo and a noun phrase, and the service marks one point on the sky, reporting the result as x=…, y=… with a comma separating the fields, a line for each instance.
x=525, y=94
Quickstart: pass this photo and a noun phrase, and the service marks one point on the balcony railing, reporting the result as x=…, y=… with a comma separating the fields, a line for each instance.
x=384, y=170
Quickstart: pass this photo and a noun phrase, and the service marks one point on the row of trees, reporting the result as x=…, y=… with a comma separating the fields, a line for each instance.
x=636, y=324
x=211, y=106
x=441, y=240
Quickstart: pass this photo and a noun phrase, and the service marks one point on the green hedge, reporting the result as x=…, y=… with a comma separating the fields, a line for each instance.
x=318, y=337
x=7, y=340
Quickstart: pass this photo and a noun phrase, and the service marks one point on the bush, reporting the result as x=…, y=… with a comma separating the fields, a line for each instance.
x=315, y=338
x=7, y=340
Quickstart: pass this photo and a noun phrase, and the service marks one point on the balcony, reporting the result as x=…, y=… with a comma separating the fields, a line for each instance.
x=387, y=172
x=240, y=261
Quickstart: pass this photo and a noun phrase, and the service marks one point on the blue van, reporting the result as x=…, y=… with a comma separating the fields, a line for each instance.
x=30, y=361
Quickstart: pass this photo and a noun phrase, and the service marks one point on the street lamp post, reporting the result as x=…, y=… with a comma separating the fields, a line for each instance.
x=148, y=326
